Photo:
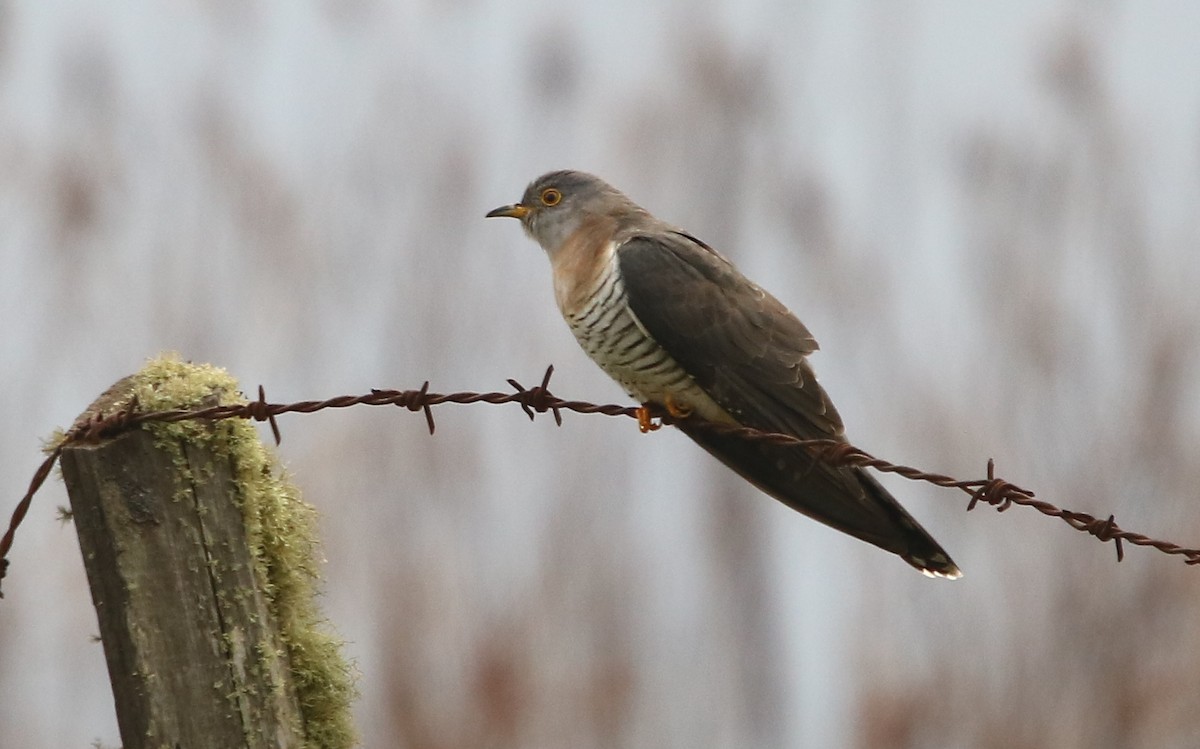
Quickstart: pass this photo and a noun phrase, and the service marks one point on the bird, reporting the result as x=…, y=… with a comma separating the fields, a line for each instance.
x=679, y=327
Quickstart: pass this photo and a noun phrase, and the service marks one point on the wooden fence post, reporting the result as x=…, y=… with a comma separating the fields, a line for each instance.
x=180, y=569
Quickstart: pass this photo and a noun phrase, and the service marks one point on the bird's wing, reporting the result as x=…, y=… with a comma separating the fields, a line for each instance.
x=739, y=343
x=748, y=352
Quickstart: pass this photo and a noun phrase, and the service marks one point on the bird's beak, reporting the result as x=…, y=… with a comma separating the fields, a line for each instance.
x=516, y=210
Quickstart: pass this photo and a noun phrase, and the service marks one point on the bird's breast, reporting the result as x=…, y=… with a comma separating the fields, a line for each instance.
x=597, y=310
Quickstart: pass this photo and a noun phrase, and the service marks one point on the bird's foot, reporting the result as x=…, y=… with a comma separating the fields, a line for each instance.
x=646, y=420
x=676, y=409
x=645, y=416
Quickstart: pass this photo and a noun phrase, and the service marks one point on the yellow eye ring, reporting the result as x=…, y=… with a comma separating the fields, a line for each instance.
x=551, y=197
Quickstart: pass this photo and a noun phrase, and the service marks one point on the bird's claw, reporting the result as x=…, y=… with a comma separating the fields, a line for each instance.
x=675, y=409
x=646, y=420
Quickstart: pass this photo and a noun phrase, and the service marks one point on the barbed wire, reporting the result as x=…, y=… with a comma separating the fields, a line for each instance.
x=992, y=490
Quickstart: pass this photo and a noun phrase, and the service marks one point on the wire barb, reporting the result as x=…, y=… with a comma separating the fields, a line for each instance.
x=995, y=492
x=992, y=490
x=260, y=410
x=538, y=399
x=416, y=400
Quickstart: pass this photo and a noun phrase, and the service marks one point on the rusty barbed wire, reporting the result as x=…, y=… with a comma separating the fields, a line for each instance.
x=992, y=490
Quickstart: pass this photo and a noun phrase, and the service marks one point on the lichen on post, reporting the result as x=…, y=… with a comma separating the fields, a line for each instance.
x=203, y=563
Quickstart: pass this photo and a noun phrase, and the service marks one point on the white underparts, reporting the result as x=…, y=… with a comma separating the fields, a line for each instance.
x=613, y=336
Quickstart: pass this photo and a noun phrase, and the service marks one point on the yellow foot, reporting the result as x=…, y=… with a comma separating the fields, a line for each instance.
x=646, y=421
x=676, y=409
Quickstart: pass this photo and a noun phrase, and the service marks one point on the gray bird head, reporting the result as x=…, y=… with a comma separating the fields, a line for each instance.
x=557, y=204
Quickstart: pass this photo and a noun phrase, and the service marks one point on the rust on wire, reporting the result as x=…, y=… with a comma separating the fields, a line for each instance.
x=992, y=490
x=995, y=492
x=538, y=399
x=260, y=410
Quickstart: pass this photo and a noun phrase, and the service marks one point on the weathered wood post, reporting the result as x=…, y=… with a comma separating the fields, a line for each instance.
x=201, y=562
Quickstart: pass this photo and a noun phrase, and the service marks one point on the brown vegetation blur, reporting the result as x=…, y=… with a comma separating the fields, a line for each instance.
x=306, y=210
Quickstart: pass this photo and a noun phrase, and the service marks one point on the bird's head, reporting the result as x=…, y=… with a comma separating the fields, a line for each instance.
x=557, y=204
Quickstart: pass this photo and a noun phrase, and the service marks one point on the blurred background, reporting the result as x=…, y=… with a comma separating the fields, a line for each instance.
x=986, y=214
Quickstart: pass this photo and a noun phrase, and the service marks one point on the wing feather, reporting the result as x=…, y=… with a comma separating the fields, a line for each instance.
x=739, y=343
x=749, y=353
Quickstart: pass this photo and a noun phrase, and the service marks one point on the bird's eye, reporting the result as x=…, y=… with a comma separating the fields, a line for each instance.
x=551, y=197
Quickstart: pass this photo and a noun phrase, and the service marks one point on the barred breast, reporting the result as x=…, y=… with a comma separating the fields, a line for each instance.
x=609, y=331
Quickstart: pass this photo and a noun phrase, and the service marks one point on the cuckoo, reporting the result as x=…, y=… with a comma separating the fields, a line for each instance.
x=677, y=325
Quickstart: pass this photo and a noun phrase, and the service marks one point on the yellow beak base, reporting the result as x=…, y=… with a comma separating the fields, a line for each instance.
x=516, y=210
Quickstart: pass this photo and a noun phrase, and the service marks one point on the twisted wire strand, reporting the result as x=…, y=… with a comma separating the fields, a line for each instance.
x=991, y=490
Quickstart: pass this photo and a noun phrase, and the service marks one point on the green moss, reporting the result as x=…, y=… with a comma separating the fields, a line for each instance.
x=51, y=443
x=282, y=531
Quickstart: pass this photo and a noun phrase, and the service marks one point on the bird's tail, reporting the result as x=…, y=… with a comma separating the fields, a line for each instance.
x=846, y=498
x=923, y=552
